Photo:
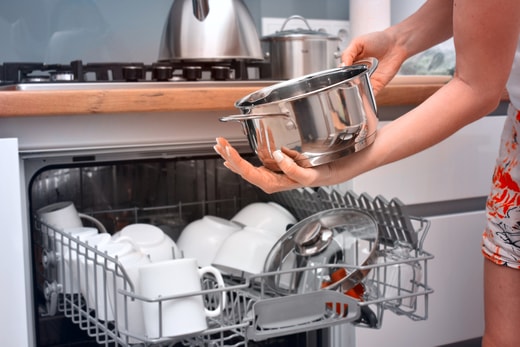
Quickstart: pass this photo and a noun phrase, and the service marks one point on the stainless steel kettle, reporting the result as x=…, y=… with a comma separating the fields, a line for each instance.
x=209, y=30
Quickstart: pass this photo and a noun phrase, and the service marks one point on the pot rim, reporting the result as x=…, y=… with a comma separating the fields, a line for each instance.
x=254, y=99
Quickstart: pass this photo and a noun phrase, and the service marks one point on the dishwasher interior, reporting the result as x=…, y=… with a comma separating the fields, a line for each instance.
x=172, y=192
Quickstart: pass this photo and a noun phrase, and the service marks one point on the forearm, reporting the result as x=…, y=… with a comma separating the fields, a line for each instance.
x=443, y=114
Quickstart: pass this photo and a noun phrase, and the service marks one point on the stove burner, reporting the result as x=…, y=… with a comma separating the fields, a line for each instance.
x=163, y=71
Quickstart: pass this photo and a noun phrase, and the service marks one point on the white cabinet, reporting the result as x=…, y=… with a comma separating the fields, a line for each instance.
x=456, y=310
x=15, y=319
x=459, y=167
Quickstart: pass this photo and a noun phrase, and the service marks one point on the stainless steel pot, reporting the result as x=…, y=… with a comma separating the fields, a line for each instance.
x=298, y=52
x=209, y=30
x=315, y=119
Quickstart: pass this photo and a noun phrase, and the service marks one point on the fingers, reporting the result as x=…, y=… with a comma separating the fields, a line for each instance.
x=352, y=53
x=296, y=173
x=233, y=160
x=262, y=177
x=291, y=176
x=220, y=146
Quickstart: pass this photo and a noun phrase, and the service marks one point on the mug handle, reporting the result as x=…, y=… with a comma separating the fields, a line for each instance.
x=220, y=280
x=99, y=225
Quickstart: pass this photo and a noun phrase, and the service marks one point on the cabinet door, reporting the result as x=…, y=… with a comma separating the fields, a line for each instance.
x=15, y=319
x=456, y=310
x=459, y=167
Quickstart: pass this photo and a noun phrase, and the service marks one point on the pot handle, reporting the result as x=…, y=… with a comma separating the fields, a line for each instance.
x=242, y=117
x=370, y=62
x=295, y=17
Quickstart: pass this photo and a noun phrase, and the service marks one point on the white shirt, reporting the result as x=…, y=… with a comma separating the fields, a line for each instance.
x=513, y=84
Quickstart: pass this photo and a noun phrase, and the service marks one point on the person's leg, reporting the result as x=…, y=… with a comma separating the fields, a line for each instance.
x=502, y=306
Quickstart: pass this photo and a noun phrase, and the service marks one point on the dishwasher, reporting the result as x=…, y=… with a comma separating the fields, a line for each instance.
x=182, y=189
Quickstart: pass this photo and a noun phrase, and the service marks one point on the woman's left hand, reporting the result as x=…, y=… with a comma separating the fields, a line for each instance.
x=292, y=175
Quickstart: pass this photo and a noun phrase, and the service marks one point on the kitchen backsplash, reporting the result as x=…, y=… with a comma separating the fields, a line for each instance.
x=59, y=31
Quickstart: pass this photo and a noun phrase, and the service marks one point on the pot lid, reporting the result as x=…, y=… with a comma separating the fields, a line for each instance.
x=299, y=33
x=294, y=34
x=336, y=238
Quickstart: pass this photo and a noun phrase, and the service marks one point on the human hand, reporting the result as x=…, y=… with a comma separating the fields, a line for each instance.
x=382, y=46
x=266, y=146
x=290, y=177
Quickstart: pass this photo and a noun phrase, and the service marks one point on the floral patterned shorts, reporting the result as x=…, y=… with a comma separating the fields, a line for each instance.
x=501, y=238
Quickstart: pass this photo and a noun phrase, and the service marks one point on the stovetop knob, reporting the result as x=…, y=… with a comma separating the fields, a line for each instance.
x=162, y=73
x=133, y=73
x=192, y=73
x=220, y=73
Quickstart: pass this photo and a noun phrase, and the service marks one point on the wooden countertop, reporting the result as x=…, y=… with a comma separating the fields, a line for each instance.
x=403, y=90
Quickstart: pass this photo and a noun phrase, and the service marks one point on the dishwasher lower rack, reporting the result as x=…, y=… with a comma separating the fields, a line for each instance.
x=254, y=311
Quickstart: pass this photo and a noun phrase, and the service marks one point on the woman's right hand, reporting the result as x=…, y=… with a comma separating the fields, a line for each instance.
x=380, y=45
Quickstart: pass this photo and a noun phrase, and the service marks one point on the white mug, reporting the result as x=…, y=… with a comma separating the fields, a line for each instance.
x=202, y=238
x=268, y=216
x=60, y=215
x=63, y=215
x=183, y=315
x=150, y=240
x=128, y=313
x=65, y=251
x=244, y=252
x=95, y=276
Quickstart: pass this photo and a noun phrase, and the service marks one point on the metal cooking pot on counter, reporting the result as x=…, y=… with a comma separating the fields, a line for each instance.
x=211, y=30
x=298, y=52
x=315, y=119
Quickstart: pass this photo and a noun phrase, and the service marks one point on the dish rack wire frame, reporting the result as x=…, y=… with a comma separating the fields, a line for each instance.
x=251, y=298
x=227, y=329
x=397, y=230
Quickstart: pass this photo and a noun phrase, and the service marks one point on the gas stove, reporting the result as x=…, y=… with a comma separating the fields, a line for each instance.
x=79, y=75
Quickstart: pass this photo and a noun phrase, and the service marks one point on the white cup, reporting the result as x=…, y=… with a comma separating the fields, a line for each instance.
x=183, y=315
x=244, y=252
x=128, y=313
x=150, y=240
x=202, y=238
x=60, y=215
x=63, y=215
x=65, y=252
x=265, y=215
x=95, y=275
